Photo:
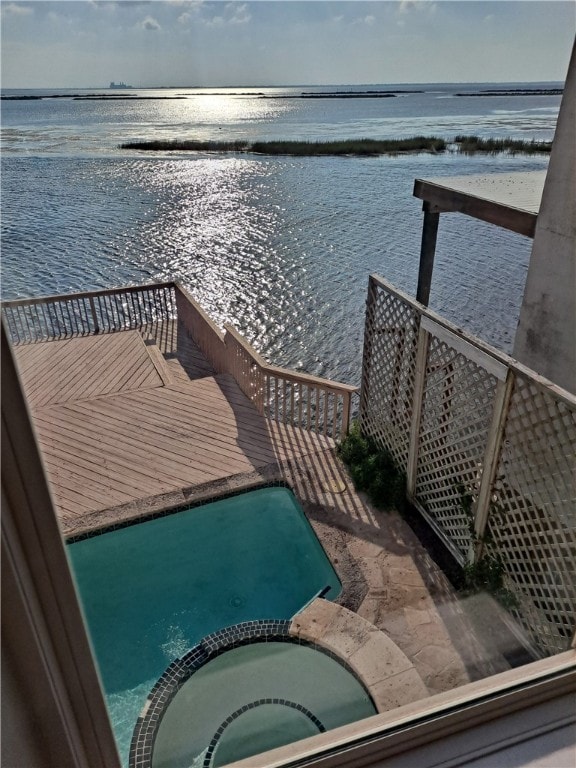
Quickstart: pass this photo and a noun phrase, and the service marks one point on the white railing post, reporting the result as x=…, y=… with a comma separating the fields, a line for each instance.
x=417, y=404
x=346, y=402
x=94, y=315
x=490, y=463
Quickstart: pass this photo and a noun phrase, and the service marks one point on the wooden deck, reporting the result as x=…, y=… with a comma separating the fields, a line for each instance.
x=125, y=416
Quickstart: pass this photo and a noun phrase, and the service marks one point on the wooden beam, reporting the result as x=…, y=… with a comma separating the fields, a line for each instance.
x=427, y=252
x=451, y=200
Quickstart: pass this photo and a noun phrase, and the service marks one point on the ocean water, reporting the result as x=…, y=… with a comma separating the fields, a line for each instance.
x=280, y=247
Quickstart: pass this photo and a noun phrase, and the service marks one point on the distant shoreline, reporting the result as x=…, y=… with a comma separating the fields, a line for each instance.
x=84, y=97
x=516, y=92
x=369, y=94
x=351, y=147
x=372, y=94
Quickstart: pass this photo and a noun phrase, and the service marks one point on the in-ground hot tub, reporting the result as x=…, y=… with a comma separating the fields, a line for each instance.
x=151, y=591
x=242, y=691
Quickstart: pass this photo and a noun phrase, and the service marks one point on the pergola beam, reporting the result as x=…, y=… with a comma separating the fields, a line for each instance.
x=510, y=201
x=427, y=252
x=453, y=200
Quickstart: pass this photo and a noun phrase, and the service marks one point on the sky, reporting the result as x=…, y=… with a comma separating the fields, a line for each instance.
x=88, y=43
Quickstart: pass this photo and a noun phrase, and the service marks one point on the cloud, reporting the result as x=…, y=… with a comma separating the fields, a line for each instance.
x=238, y=13
x=407, y=6
x=149, y=24
x=13, y=9
x=190, y=10
x=233, y=13
x=215, y=21
x=365, y=20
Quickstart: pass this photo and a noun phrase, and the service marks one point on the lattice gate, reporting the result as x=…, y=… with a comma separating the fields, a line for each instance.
x=488, y=450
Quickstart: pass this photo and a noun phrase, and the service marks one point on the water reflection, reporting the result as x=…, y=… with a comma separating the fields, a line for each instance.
x=279, y=247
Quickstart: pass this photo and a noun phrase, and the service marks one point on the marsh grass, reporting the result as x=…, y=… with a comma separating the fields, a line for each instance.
x=191, y=145
x=471, y=144
x=370, y=147
x=352, y=147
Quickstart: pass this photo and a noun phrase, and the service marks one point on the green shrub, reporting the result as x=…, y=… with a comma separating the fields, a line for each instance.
x=373, y=470
x=354, y=448
x=487, y=575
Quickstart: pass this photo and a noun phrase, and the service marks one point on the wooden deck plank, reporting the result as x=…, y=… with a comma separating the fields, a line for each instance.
x=105, y=476
x=91, y=450
x=197, y=437
x=66, y=499
x=160, y=412
x=216, y=402
x=85, y=367
x=70, y=491
x=123, y=449
x=250, y=439
x=115, y=430
x=181, y=353
x=177, y=454
x=127, y=365
x=150, y=425
x=72, y=486
x=62, y=366
x=161, y=365
x=214, y=414
x=128, y=483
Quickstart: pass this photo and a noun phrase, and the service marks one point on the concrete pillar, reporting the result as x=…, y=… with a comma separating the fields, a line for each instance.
x=546, y=335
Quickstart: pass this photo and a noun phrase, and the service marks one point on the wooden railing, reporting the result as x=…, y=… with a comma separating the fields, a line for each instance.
x=85, y=314
x=310, y=402
x=315, y=404
x=201, y=328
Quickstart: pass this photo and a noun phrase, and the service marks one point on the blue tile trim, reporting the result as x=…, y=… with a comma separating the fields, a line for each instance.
x=252, y=705
x=173, y=510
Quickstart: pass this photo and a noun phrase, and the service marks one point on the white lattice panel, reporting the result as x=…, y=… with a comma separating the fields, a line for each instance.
x=443, y=424
x=532, y=524
x=456, y=417
x=388, y=371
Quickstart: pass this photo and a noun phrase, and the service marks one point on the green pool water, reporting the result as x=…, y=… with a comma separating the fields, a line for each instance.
x=153, y=590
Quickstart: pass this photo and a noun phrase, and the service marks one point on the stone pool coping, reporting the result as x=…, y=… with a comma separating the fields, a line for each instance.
x=173, y=501
x=386, y=672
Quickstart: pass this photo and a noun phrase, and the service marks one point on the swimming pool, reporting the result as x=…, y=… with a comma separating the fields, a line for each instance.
x=152, y=591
